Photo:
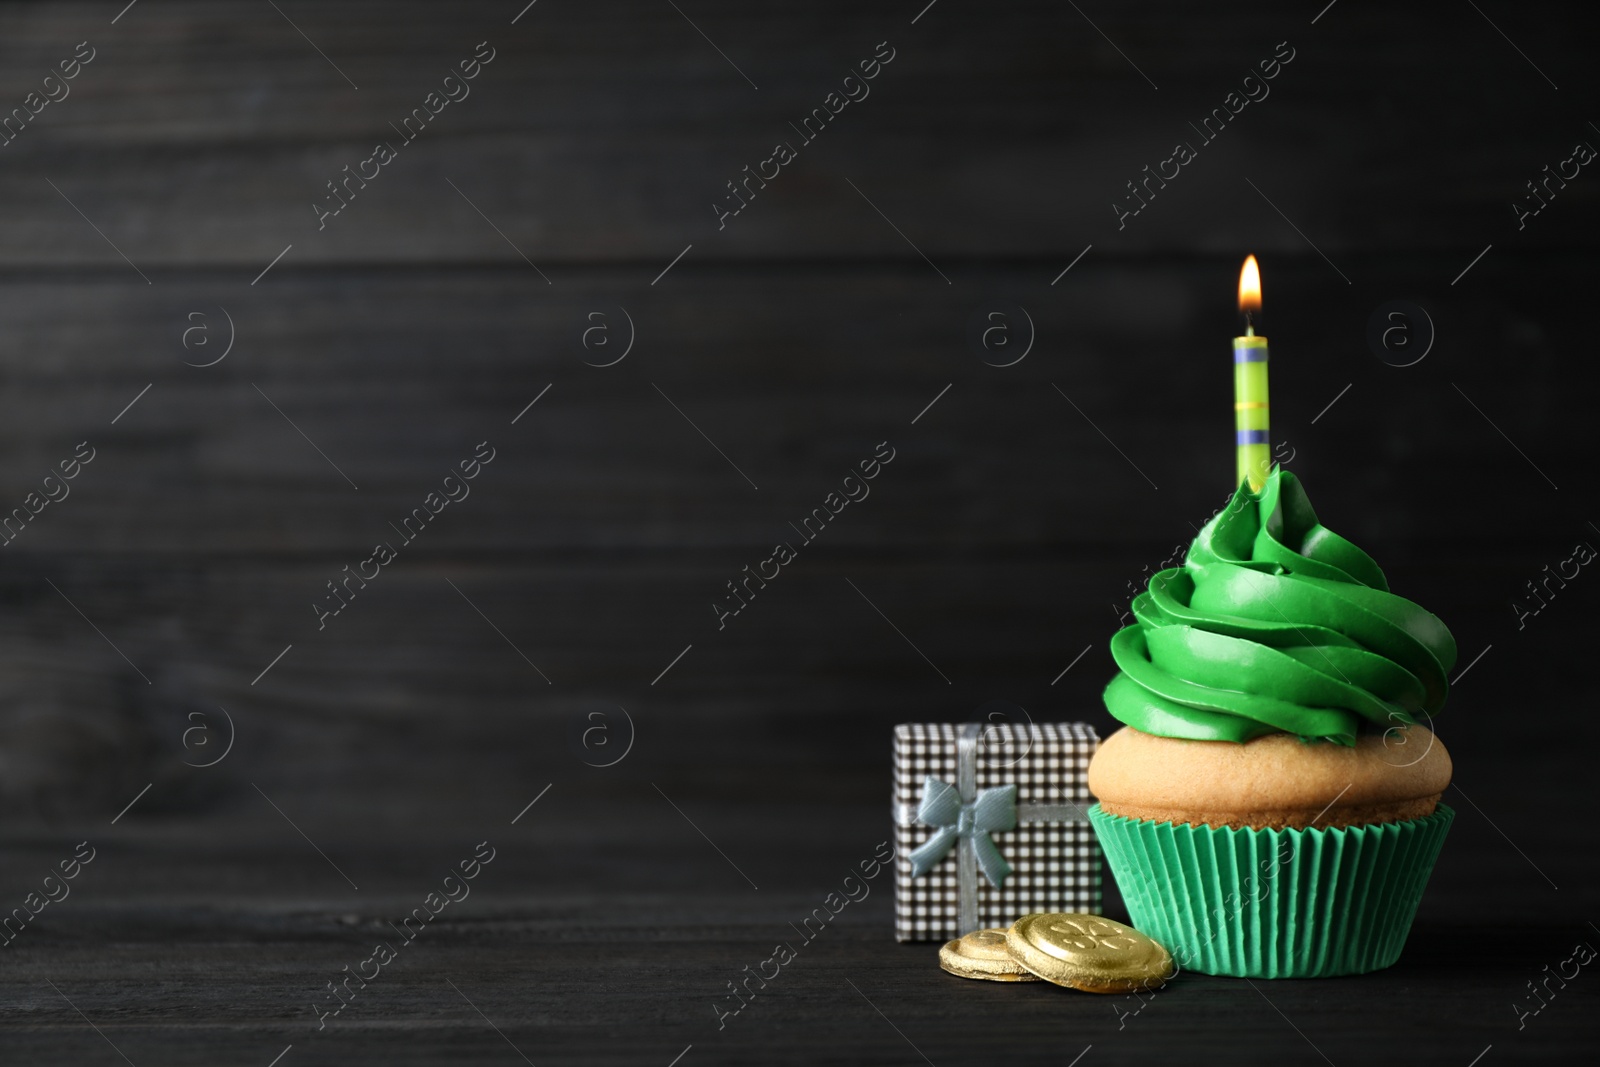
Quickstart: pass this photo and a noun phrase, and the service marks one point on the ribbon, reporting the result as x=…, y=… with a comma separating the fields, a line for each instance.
x=964, y=818
x=992, y=809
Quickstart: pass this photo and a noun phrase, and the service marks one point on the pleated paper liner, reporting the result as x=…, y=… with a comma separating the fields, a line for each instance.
x=1274, y=903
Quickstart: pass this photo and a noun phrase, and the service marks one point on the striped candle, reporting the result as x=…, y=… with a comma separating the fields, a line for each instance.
x=1251, y=411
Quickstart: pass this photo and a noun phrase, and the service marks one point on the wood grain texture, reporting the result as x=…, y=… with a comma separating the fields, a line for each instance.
x=201, y=134
x=794, y=375
x=606, y=928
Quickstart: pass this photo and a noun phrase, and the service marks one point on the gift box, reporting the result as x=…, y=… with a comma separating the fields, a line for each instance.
x=991, y=823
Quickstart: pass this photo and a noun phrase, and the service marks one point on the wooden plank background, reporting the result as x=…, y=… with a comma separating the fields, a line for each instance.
x=996, y=547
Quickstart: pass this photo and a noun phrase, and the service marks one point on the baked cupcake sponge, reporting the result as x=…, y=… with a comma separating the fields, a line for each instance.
x=1273, y=782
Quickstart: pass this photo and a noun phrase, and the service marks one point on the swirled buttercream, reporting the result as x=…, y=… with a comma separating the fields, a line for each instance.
x=1275, y=623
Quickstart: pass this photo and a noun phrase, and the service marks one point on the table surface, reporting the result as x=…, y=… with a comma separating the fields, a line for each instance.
x=612, y=915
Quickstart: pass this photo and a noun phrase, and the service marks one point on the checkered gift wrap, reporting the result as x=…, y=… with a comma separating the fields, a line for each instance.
x=1053, y=853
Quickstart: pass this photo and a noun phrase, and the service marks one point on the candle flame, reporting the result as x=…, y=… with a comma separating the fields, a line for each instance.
x=1250, y=285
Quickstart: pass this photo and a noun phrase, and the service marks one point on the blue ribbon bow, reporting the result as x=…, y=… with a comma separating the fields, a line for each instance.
x=991, y=810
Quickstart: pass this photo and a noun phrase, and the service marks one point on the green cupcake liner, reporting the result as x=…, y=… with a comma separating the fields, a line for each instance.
x=1274, y=903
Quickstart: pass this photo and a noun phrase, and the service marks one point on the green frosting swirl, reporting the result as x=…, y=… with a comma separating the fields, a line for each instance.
x=1275, y=624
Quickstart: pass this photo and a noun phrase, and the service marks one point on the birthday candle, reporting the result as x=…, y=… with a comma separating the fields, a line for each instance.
x=1250, y=406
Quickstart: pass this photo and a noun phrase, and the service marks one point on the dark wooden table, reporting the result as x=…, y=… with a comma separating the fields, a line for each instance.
x=606, y=928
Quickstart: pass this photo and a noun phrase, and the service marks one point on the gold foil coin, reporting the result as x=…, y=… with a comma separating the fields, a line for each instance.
x=1088, y=952
x=983, y=954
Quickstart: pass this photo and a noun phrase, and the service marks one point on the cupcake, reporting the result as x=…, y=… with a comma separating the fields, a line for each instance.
x=1271, y=807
